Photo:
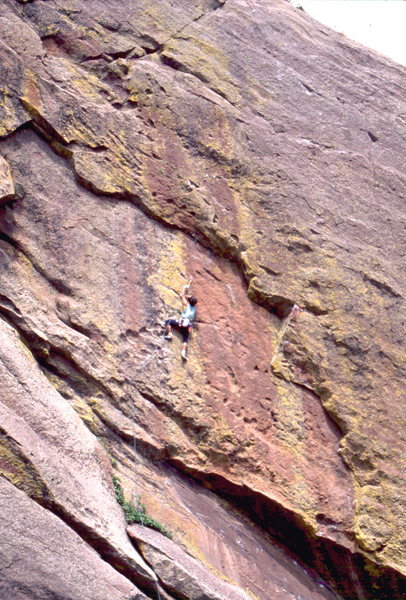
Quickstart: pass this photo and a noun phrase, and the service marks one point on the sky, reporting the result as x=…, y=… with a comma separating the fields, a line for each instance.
x=377, y=24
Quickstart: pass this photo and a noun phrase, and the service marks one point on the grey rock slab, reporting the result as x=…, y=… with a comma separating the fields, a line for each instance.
x=42, y=558
x=179, y=572
x=70, y=467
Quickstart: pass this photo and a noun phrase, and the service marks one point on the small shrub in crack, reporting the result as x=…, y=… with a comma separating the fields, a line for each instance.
x=137, y=514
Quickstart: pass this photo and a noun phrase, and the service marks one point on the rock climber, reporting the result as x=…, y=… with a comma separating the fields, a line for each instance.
x=185, y=323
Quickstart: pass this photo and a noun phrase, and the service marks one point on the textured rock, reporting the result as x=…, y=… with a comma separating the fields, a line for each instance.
x=47, y=451
x=262, y=154
x=235, y=559
x=6, y=182
x=43, y=558
x=178, y=572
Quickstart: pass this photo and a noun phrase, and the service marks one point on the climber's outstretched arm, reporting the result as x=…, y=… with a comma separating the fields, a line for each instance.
x=185, y=291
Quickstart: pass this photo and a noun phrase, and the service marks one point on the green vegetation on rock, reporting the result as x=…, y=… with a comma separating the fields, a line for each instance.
x=137, y=514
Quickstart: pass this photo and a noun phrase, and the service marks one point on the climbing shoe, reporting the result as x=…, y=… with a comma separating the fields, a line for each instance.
x=168, y=337
x=183, y=355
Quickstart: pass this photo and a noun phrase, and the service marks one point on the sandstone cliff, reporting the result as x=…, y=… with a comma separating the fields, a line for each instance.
x=245, y=145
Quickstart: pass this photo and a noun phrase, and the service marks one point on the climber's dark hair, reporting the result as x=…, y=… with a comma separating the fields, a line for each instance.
x=192, y=300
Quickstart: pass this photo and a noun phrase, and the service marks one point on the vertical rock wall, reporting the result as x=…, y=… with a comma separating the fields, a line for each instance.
x=262, y=154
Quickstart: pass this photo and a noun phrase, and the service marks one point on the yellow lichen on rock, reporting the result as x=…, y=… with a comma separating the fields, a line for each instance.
x=205, y=61
x=170, y=275
x=16, y=468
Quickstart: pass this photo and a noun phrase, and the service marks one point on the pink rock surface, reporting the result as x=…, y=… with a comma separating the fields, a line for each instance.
x=262, y=154
x=41, y=557
x=57, y=460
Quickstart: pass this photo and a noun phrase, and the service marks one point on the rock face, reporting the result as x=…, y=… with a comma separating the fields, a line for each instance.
x=6, y=183
x=245, y=145
x=42, y=438
x=41, y=557
x=180, y=573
